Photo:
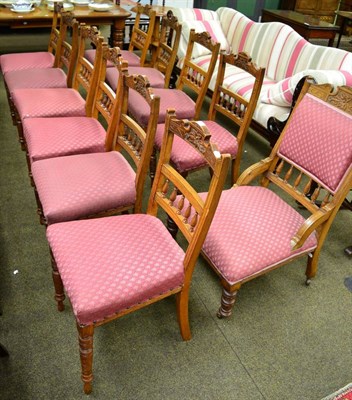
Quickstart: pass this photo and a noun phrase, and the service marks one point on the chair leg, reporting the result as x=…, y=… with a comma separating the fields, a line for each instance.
x=312, y=266
x=182, y=299
x=20, y=132
x=40, y=212
x=85, y=338
x=3, y=351
x=152, y=166
x=228, y=299
x=171, y=227
x=58, y=285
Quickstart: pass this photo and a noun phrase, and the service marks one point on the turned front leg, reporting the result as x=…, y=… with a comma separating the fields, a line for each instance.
x=85, y=338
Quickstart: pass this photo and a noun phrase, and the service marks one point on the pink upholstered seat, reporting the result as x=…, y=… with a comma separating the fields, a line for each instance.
x=36, y=78
x=47, y=102
x=185, y=158
x=57, y=137
x=156, y=78
x=169, y=98
x=21, y=61
x=77, y=186
x=108, y=265
x=252, y=231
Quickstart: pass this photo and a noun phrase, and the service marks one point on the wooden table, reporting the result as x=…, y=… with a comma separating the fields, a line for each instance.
x=345, y=15
x=308, y=26
x=42, y=17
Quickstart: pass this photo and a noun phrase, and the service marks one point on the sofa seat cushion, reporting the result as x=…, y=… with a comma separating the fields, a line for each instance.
x=63, y=136
x=77, y=186
x=21, y=61
x=245, y=240
x=32, y=103
x=169, y=98
x=186, y=158
x=36, y=78
x=110, y=264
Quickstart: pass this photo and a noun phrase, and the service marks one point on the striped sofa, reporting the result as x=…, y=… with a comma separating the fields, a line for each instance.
x=286, y=56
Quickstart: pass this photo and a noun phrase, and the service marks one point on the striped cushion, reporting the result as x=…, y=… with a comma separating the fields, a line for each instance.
x=215, y=30
x=194, y=14
x=281, y=93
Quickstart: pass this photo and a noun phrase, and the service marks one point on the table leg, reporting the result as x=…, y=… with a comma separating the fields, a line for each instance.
x=117, y=33
x=342, y=28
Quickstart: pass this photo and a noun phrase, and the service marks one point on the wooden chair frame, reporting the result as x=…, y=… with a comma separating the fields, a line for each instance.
x=142, y=40
x=166, y=184
x=166, y=50
x=322, y=206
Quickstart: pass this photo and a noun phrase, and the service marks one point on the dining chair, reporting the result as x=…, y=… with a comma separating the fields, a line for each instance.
x=65, y=136
x=238, y=110
x=63, y=102
x=140, y=42
x=192, y=78
x=110, y=267
x=55, y=77
x=100, y=184
x=255, y=229
x=159, y=74
x=38, y=59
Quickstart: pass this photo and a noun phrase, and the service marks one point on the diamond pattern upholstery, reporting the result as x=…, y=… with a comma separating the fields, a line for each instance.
x=251, y=231
x=47, y=102
x=77, y=186
x=327, y=131
x=21, y=61
x=36, y=78
x=57, y=137
x=156, y=78
x=102, y=278
x=175, y=99
x=129, y=56
x=186, y=158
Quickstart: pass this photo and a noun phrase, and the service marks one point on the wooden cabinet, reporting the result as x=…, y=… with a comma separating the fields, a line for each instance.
x=325, y=9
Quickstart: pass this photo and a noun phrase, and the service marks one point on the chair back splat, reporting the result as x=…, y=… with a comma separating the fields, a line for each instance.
x=166, y=52
x=194, y=77
x=145, y=264
x=232, y=105
x=68, y=52
x=86, y=74
x=142, y=40
x=311, y=164
x=136, y=140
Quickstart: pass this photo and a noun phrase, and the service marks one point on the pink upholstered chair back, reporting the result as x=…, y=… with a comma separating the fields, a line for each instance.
x=318, y=139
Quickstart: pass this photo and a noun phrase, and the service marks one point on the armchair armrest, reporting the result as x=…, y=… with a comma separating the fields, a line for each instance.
x=254, y=171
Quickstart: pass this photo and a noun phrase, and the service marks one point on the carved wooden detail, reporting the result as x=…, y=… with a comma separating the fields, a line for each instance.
x=198, y=136
x=141, y=84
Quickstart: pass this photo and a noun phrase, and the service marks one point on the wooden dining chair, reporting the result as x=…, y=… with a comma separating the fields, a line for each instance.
x=159, y=74
x=38, y=59
x=63, y=102
x=66, y=136
x=110, y=267
x=55, y=77
x=140, y=42
x=100, y=184
x=237, y=108
x=192, y=78
x=255, y=230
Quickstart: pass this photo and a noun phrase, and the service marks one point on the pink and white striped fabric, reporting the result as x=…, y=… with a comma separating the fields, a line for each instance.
x=285, y=55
